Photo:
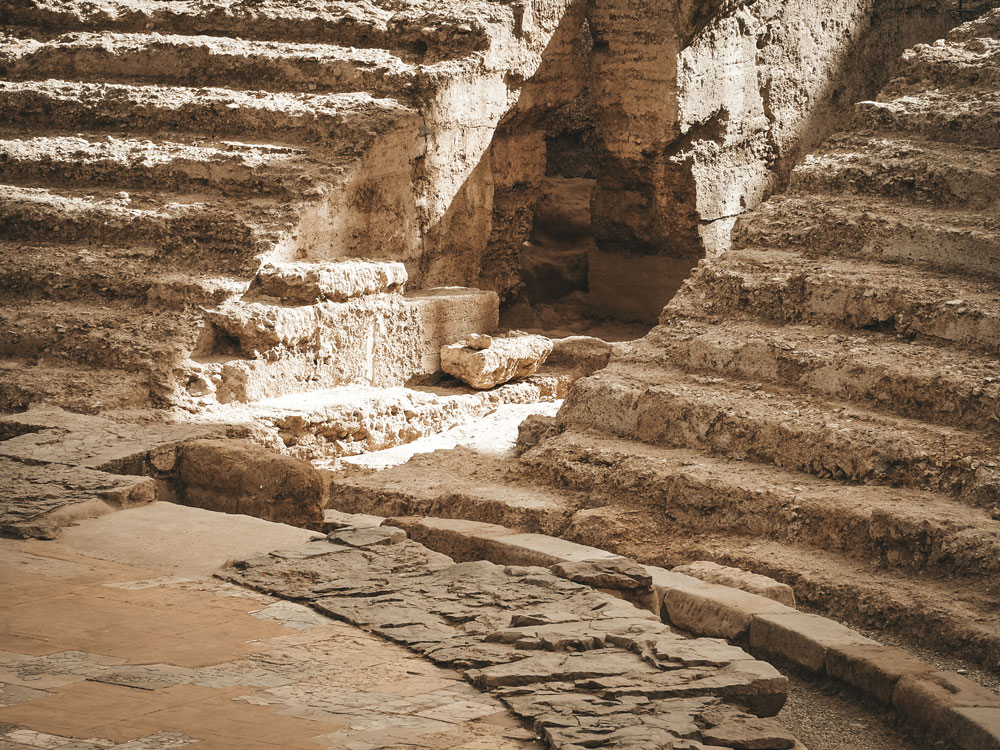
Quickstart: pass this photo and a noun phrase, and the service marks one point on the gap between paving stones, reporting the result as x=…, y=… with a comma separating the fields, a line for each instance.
x=944, y=704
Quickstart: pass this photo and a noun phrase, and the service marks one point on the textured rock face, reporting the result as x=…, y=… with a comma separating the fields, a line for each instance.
x=504, y=359
x=264, y=144
x=826, y=392
x=702, y=113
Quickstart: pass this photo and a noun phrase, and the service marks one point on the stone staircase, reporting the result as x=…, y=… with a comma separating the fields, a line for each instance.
x=154, y=157
x=821, y=404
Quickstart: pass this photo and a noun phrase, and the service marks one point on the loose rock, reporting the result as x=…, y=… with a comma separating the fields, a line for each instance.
x=504, y=360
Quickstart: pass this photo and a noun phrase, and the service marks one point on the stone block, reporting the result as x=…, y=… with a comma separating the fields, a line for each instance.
x=503, y=360
x=976, y=727
x=873, y=669
x=540, y=550
x=739, y=579
x=803, y=638
x=461, y=540
x=448, y=314
x=950, y=706
x=707, y=608
x=338, y=281
x=232, y=476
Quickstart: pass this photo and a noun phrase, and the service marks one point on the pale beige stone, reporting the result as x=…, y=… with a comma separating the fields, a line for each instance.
x=739, y=579
x=505, y=359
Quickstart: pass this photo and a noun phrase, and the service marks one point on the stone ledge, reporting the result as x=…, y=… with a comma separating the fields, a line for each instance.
x=947, y=705
x=232, y=476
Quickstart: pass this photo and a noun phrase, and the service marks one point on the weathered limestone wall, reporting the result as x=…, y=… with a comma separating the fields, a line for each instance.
x=704, y=107
x=486, y=147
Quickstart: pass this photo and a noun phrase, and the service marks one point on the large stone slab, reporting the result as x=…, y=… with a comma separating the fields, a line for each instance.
x=585, y=667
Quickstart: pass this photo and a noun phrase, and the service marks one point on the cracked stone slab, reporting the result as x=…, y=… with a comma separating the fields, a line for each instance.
x=587, y=668
x=36, y=500
x=49, y=435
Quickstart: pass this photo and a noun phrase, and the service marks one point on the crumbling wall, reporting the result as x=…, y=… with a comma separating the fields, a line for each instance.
x=703, y=108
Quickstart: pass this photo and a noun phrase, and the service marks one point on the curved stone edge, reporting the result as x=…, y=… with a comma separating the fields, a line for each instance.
x=944, y=704
x=588, y=669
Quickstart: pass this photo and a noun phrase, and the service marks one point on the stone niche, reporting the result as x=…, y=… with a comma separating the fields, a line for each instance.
x=702, y=108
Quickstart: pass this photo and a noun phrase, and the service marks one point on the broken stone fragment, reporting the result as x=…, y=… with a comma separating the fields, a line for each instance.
x=618, y=573
x=368, y=536
x=505, y=359
x=750, y=734
x=478, y=341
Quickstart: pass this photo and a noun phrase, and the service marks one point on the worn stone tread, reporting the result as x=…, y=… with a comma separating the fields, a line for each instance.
x=453, y=484
x=794, y=430
x=104, y=389
x=34, y=271
x=783, y=286
x=106, y=217
x=899, y=528
x=913, y=379
x=191, y=165
x=919, y=170
x=959, y=240
x=370, y=24
x=208, y=61
x=109, y=336
x=351, y=121
x=957, y=115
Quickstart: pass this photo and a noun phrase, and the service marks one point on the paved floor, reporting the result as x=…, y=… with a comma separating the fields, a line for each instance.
x=112, y=653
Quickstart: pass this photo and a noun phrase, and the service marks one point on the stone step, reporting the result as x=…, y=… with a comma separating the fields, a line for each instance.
x=789, y=288
x=172, y=59
x=954, y=116
x=137, y=274
x=897, y=528
x=907, y=169
x=116, y=337
x=459, y=483
x=453, y=31
x=970, y=62
x=346, y=124
x=918, y=380
x=794, y=431
x=352, y=420
x=961, y=241
x=176, y=224
x=182, y=166
x=380, y=339
x=23, y=382
x=953, y=617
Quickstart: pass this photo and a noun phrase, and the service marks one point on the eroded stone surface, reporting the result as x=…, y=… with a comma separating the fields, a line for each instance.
x=740, y=579
x=506, y=358
x=585, y=667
